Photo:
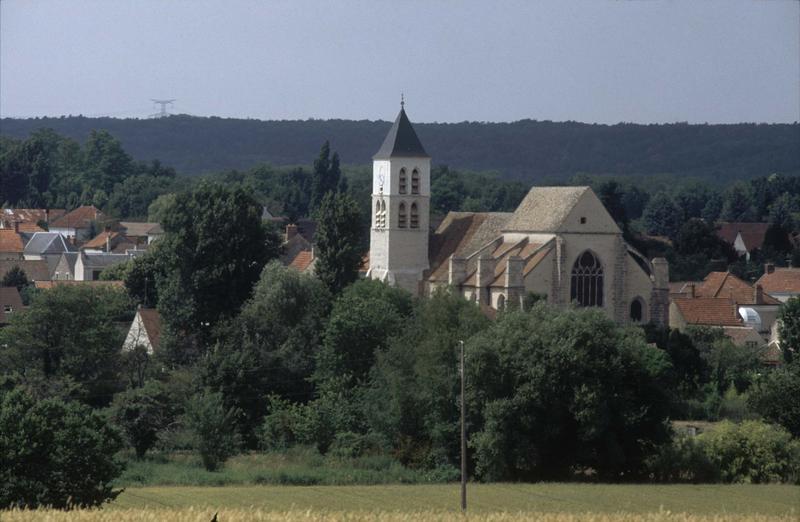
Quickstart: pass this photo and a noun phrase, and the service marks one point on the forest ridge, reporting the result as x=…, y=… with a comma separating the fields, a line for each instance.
x=527, y=150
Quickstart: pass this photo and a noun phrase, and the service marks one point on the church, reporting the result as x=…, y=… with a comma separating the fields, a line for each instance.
x=560, y=243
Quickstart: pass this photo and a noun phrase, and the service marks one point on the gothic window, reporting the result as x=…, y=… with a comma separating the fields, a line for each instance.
x=377, y=214
x=587, y=281
x=414, y=216
x=637, y=311
x=415, y=182
x=403, y=218
x=402, y=181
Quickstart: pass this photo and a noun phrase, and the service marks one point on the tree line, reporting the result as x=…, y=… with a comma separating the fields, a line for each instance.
x=528, y=150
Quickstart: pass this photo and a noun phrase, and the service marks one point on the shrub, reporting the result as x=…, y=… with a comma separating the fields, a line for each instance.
x=776, y=397
x=55, y=453
x=683, y=459
x=215, y=428
x=752, y=452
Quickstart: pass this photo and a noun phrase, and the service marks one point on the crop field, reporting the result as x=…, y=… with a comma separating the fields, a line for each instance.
x=411, y=503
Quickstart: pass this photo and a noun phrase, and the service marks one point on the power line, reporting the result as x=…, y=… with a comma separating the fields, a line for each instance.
x=163, y=103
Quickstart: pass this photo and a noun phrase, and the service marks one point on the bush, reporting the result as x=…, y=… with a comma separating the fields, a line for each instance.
x=752, y=452
x=215, y=428
x=776, y=397
x=55, y=453
x=682, y=460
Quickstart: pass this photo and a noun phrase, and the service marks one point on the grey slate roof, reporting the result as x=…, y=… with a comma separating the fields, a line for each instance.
x=401, y=141
x=46, y=243
x=103, y=260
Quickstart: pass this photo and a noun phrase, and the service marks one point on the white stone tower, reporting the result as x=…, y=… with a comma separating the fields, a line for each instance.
x=401, y=193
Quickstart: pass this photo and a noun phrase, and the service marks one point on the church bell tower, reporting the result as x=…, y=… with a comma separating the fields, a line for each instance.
x=401, y=193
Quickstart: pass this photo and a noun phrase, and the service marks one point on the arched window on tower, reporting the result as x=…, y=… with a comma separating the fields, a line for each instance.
x=587, y=281
x=402, y=217
x=637, y=310
x=414, y=216
x=415, y=181
x=383, y=214
x=377, y=214
x=402, y=181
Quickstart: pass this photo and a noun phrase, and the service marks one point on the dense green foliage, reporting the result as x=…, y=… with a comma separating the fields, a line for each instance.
x=55, y=453
x=70, y=332
x=789, y=328
x=212, y=253
x=775, y=397
x=557, y=392
x=142, y=413
x=338, y=241
x=529, y=150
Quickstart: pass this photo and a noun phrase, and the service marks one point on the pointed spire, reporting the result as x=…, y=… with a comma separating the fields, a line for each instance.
x=402, y=140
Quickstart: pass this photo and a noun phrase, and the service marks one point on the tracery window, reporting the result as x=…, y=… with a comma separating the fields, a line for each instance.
x=377, y=214
x=402, y=181
x=587, y=281
x=414, y=216
x=415, y=181
x=402, y=217
x=637, y=312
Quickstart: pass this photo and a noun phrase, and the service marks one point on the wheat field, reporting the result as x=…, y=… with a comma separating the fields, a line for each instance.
x=259, y=515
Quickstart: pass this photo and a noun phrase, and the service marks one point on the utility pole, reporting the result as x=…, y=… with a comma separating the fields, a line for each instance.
x=463, y=438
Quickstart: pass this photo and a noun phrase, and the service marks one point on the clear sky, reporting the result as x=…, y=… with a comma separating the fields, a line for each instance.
x=715, y=61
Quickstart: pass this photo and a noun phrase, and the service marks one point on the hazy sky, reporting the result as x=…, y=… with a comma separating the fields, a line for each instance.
x=490, y=60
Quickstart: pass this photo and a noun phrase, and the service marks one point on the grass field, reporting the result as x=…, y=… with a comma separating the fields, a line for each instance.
x=773, y=500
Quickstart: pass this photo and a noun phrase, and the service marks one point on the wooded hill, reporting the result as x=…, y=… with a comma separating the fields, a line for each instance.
x=528, y=150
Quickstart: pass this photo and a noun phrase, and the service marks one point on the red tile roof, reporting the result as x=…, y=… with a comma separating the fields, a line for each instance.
x=151, y=321
x=11, y=241
x=30, y=215
x=114, y=238
x=752, y=233
x=302, y=260
x=81, y=217
x=782, y=280
x=727, y=285
x=709, y=311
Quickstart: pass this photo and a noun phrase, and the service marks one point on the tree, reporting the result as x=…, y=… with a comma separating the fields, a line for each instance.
x=270, y=348
x=728, y=363
x=738, y=204
x=215, y=428
x=141, y=413
x=412, y=400
x=105, y=161
x=789, y=328
x=338, y=241
x=70, y=331
x=364, y=319
x=212, y=253
x=16, y=277
x=554, y=392
x=141, y=278
x=697, y=237
x=54, y=453
x=775, y=397
x=661, y=216
x=326, y=175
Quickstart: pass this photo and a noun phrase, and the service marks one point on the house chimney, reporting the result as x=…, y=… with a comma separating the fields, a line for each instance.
x=769, y=268
x=16, y=226
x=47, y=215
x=691, y=290
x=108, y=241
x=291, y=231
x=758, y=294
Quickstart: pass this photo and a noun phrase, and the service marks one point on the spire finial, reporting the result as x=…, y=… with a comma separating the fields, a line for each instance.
x=402, y=101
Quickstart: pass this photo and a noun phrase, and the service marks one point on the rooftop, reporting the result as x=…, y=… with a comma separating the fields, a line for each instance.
x=401, y=141
x=781, y=281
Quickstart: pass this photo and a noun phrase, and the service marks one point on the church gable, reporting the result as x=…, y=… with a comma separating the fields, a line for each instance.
x=589, y=215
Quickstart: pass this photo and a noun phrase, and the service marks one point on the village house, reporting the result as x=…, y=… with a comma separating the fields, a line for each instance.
x=89, y=266
x=10, y=303
x=560, y=243
x=29, y=218
x=145, y=331
x=80, y=224
x=110, y=241
x=141, y=234
x=744, y=237
x=43, y=245
x=780, y=283
x=12, y=243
